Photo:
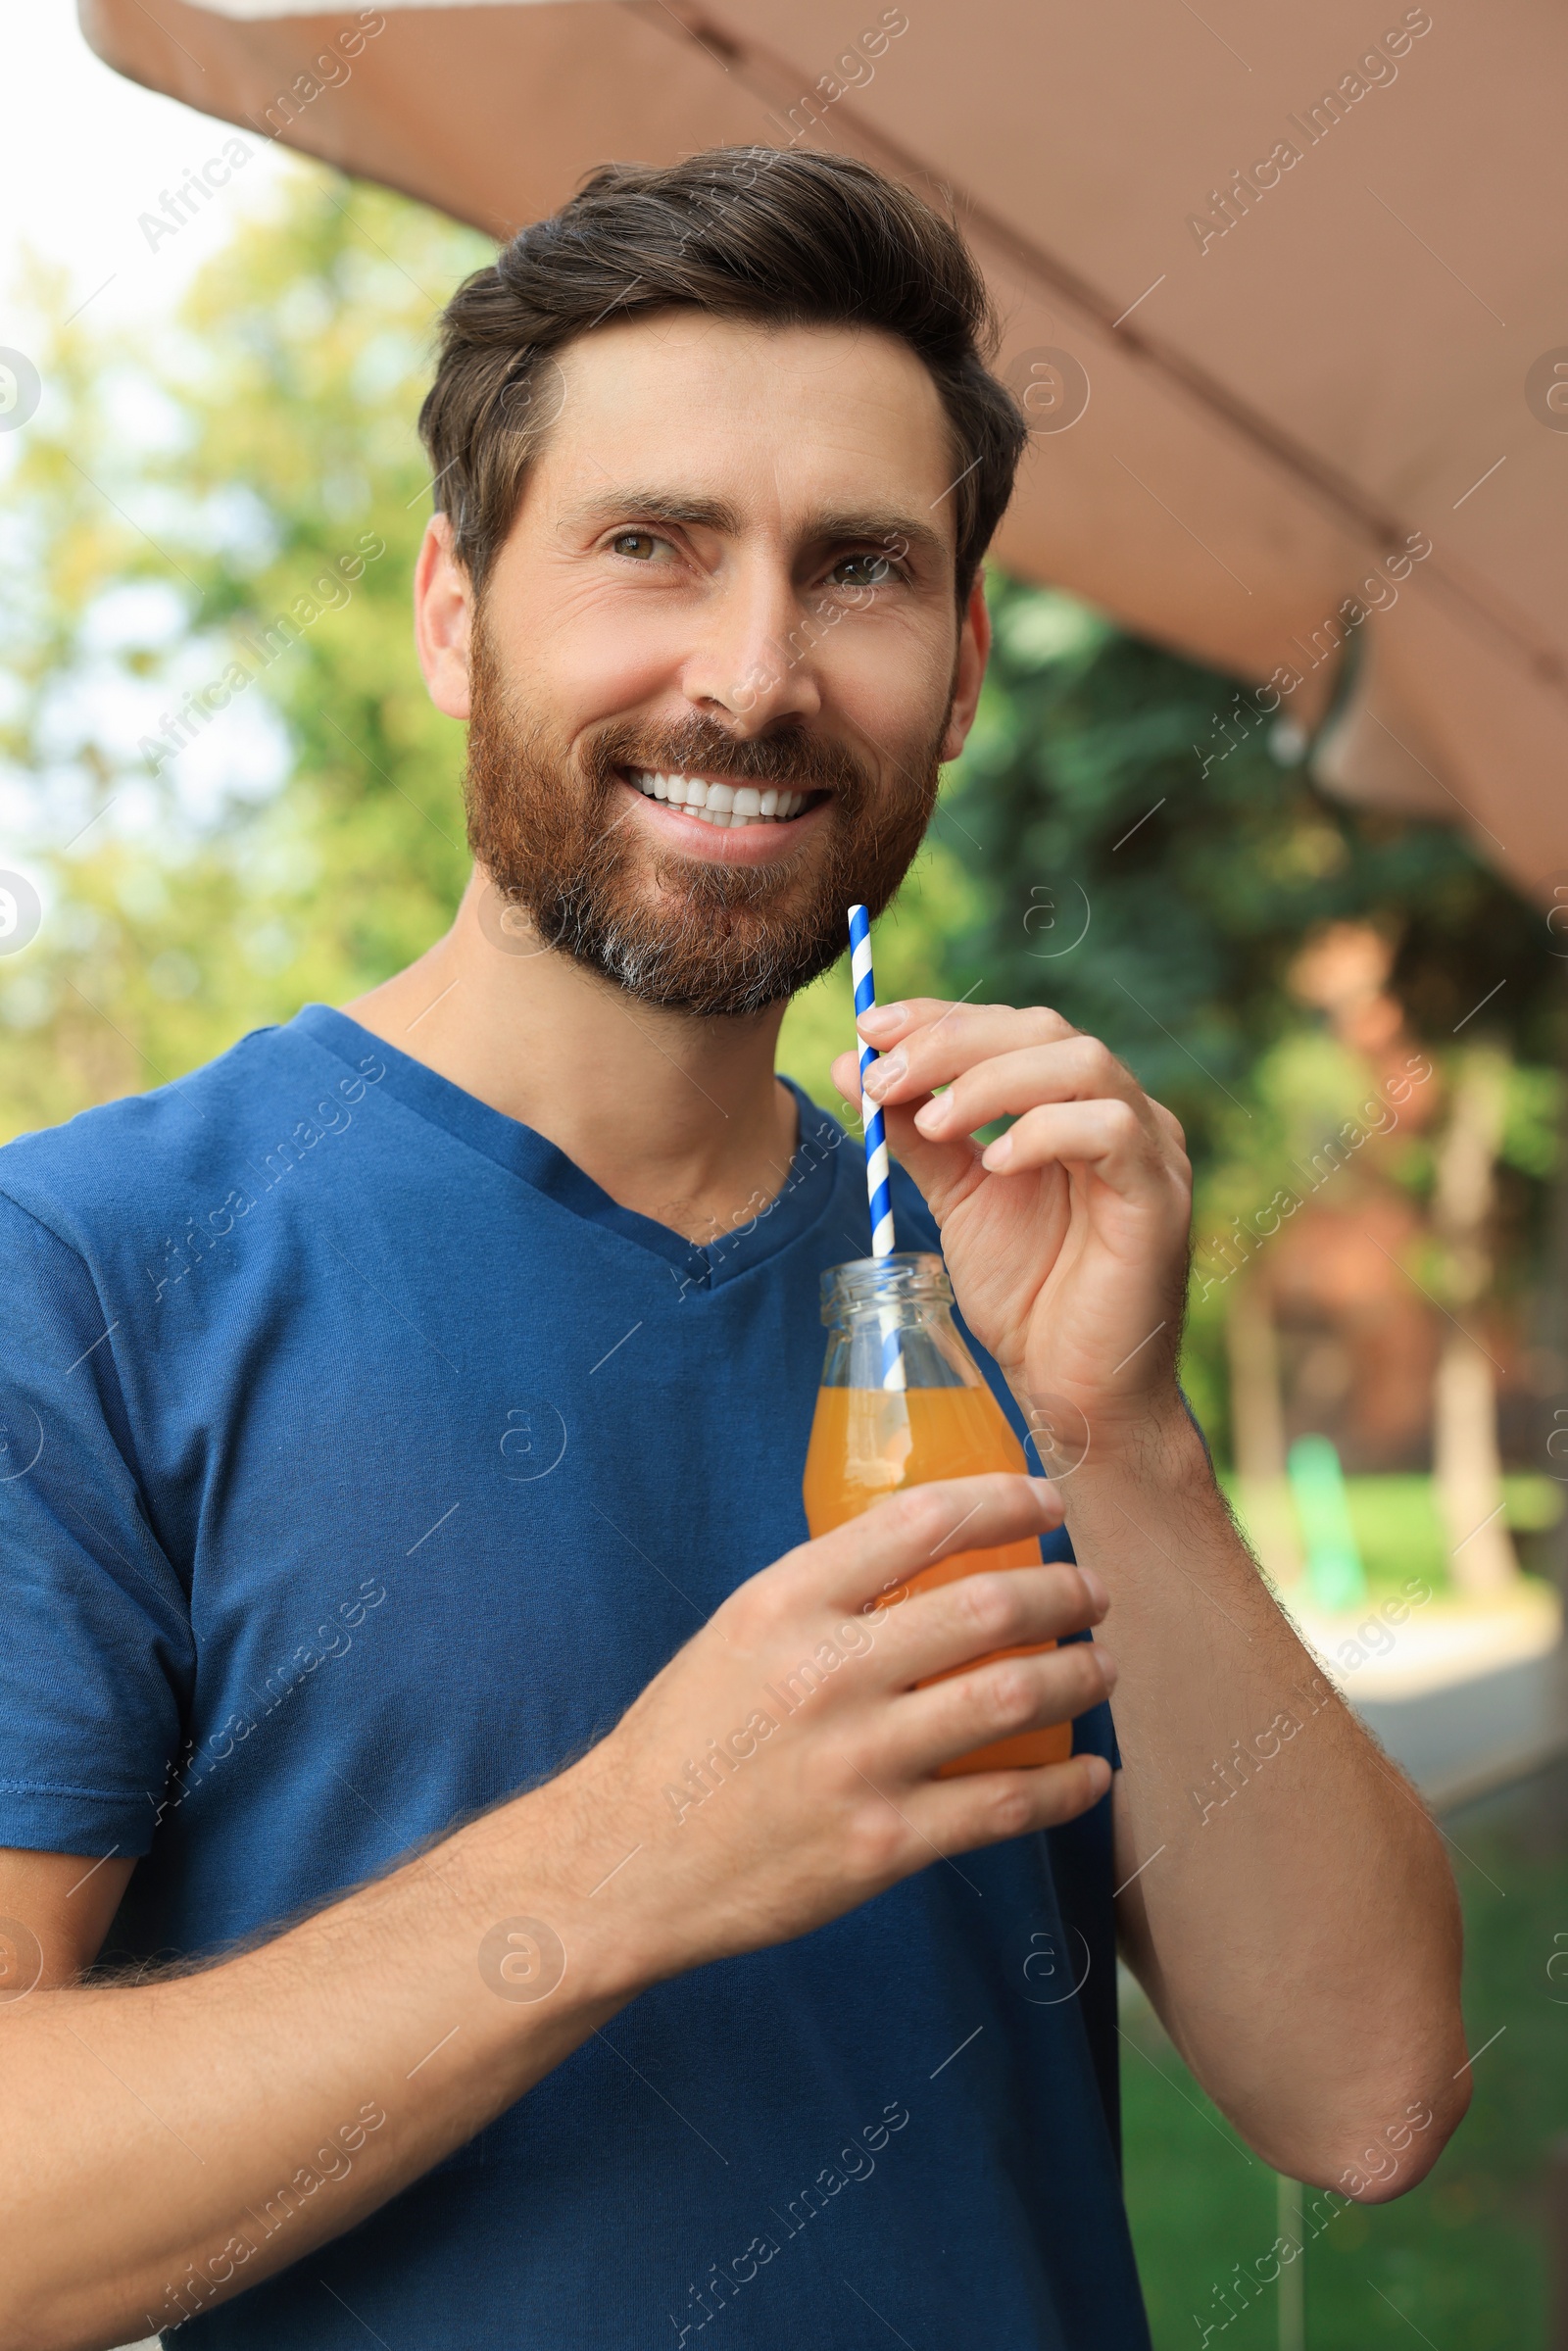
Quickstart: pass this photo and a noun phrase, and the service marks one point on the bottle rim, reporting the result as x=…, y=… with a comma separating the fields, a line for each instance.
x=906, y=1278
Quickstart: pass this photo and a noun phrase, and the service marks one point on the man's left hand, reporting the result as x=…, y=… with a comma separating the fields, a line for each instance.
x=1066, y=1237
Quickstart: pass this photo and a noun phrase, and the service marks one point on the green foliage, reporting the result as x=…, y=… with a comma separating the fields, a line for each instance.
x=176, y=505
x=1151, y=857
x=1532, y=1136
x=1151, y=869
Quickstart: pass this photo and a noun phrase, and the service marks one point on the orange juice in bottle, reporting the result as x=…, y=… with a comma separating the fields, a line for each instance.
x=903, y=1401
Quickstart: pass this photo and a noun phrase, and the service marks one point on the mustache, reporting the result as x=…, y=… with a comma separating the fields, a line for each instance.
x=793, y=758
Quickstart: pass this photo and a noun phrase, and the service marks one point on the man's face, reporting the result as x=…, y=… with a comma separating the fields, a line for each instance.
x=731, y=571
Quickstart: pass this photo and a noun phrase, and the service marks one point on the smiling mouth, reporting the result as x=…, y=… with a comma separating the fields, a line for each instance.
x=729, y=806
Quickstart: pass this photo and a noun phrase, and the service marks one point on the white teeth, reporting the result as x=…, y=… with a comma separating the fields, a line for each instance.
x=720, y=803
x=738, y=824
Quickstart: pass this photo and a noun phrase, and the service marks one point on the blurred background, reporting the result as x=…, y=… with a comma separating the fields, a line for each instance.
x=1360, y=1023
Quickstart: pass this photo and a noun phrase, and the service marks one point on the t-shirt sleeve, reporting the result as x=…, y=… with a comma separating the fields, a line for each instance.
x=97, y=1660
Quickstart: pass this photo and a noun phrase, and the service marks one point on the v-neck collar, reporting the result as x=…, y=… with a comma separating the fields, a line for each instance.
x=800, y=1200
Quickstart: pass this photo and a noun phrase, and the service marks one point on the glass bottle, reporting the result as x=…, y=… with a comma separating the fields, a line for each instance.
x=903, y=1401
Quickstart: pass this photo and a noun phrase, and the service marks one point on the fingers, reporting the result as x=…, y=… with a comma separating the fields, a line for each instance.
x=964, y=1036
x=1072, y=1101
x=996, y=1062
x=944, y=1171
x=888, y=1025
x=1006, y=1608
x=1076, y=1069
x=1109, y=1137
x=931, y=1727
x=846, y=1075
x=881, y=1549
x=985, y=1808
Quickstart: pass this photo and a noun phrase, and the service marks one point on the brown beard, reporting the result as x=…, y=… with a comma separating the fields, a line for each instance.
x=683, y=932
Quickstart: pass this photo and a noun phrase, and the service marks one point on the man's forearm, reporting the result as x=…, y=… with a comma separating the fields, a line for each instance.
x=1293, y=1917
x=218, y=2125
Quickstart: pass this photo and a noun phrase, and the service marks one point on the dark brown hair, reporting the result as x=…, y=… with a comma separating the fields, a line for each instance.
x=785, y=237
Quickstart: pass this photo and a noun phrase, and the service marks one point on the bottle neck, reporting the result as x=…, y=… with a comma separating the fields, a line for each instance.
x=889, y=1326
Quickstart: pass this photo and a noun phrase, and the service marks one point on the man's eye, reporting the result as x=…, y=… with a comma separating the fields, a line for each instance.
x=861, y=572
x=640, y=545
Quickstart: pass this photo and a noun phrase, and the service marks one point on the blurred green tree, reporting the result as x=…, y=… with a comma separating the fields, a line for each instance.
x=1152, y=855
x=1153, y=863
x=216, y=746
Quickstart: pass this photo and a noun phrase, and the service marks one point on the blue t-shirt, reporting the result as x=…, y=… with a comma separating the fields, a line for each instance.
x=362, y=1460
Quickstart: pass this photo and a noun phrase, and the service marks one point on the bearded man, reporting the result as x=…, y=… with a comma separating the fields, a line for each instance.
x=407, y=1416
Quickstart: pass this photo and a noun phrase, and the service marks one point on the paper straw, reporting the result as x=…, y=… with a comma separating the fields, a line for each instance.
x=878, y=1180
x=878, y=1175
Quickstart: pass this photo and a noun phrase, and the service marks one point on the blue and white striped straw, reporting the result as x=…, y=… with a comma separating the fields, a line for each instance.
x=878, y=1175
x=878, y=1179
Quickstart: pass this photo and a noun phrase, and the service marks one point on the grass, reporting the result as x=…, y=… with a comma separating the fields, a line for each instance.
x=1461, y=2260
x=1399, y=1526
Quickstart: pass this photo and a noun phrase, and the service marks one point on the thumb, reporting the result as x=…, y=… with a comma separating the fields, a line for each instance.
x=944, y=1173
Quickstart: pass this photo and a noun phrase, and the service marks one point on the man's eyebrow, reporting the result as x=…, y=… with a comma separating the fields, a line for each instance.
x=658, y=506
x=880, y=526
x=876, y=526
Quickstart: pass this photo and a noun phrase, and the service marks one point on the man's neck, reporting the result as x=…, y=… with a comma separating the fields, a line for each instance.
x=678, y=1117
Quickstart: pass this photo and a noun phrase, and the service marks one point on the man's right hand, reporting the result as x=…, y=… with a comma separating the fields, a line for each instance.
x=300, y=2084
x=782, y=1768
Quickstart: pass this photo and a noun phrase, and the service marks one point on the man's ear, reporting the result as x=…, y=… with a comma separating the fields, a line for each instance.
x=443, y=619
x=968, y=673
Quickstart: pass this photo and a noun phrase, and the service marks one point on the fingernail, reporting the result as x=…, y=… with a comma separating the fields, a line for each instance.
x=887, y=1072
x=1109, y=1668
x=1096, y=1591
x=931, y=1117
x=880, y=1015
x=996, y=1154
x=1047, y=1493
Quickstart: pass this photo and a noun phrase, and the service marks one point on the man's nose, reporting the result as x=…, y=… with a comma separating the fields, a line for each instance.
x=755, y=658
